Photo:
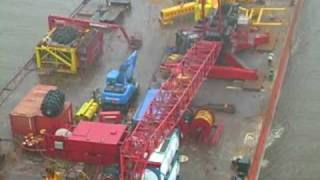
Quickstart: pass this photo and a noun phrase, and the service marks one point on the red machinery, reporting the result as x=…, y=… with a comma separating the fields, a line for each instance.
x=113, y=117
x=202, y=125
x=54, y=20
x=242, y=39
x=72, y=44
x=90, y=142
x=69, y=45
x=232, y=70
x=133, y=42
x=167, y=108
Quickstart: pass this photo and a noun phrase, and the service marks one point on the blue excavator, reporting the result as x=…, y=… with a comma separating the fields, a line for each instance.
x=121, y=88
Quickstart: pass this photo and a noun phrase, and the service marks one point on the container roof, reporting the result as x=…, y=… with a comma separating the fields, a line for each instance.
x=30, y=104
x=98, y=132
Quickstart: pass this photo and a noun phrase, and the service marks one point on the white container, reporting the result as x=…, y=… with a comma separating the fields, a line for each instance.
x=243, y=20
x=174, y=171
x=164, y=155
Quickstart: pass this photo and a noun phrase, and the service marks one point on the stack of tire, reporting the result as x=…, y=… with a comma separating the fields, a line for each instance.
x=65, y=35
x=53, y=103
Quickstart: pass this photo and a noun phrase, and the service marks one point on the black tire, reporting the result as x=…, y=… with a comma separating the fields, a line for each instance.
x=53, y=103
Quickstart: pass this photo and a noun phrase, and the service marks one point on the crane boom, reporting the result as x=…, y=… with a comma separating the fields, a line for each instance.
x=167, y=108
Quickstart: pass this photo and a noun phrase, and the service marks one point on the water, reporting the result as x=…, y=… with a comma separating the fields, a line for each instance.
x=22, y=24
x=295, y=155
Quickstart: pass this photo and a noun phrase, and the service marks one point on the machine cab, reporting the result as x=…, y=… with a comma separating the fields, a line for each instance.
x=112, y=84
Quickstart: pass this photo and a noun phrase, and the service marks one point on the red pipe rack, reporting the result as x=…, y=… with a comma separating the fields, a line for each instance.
x=167, y=108
x=54, y=20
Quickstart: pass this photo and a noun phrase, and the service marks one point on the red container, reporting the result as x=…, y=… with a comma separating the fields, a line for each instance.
x=51, y=124
x=27, y=118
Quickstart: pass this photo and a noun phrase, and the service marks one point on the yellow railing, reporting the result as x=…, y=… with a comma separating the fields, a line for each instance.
x=256, y=15
x=63, y=59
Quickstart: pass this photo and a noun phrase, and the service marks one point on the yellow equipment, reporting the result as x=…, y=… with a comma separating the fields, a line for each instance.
x=63, y=59
x=70, y=44
x=209, y=6
x=256, y=15
x=168, y=14
x=68, y=58
x=239, y=1
x=206, y=115
x=87, y=110
x=52, y=174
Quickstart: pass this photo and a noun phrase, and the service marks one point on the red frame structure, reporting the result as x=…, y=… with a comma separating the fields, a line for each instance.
x=113, y=117
x=166, y=110
x=232, y=70
x=241, y=40
x=54, y=20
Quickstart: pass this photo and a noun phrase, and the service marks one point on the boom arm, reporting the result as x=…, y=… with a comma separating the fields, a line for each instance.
x=167, y=108
x=126, y=69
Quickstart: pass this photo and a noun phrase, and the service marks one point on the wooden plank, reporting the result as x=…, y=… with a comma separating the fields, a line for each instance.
x=270, y=46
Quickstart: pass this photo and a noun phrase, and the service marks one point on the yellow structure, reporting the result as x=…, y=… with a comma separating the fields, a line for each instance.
x=67, y=51
x=87, y=110
x=239, y=1
x=167, y=15
x=53, y=175
x=62, y=58
x=256, y=15
x=209, y=6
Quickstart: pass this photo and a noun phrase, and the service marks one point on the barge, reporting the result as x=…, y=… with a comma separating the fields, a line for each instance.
x=245, y=131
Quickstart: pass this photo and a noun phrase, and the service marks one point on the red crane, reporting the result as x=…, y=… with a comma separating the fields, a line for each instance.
x=167, y=108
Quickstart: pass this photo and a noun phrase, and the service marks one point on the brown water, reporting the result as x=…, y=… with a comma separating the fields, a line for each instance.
x=22, y=24
x=296, y=154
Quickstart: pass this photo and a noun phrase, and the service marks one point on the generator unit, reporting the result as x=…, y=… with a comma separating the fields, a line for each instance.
x=90, y=142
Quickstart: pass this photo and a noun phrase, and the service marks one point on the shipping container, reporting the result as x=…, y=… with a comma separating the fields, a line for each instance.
x=27, y=118
x=53, y=123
